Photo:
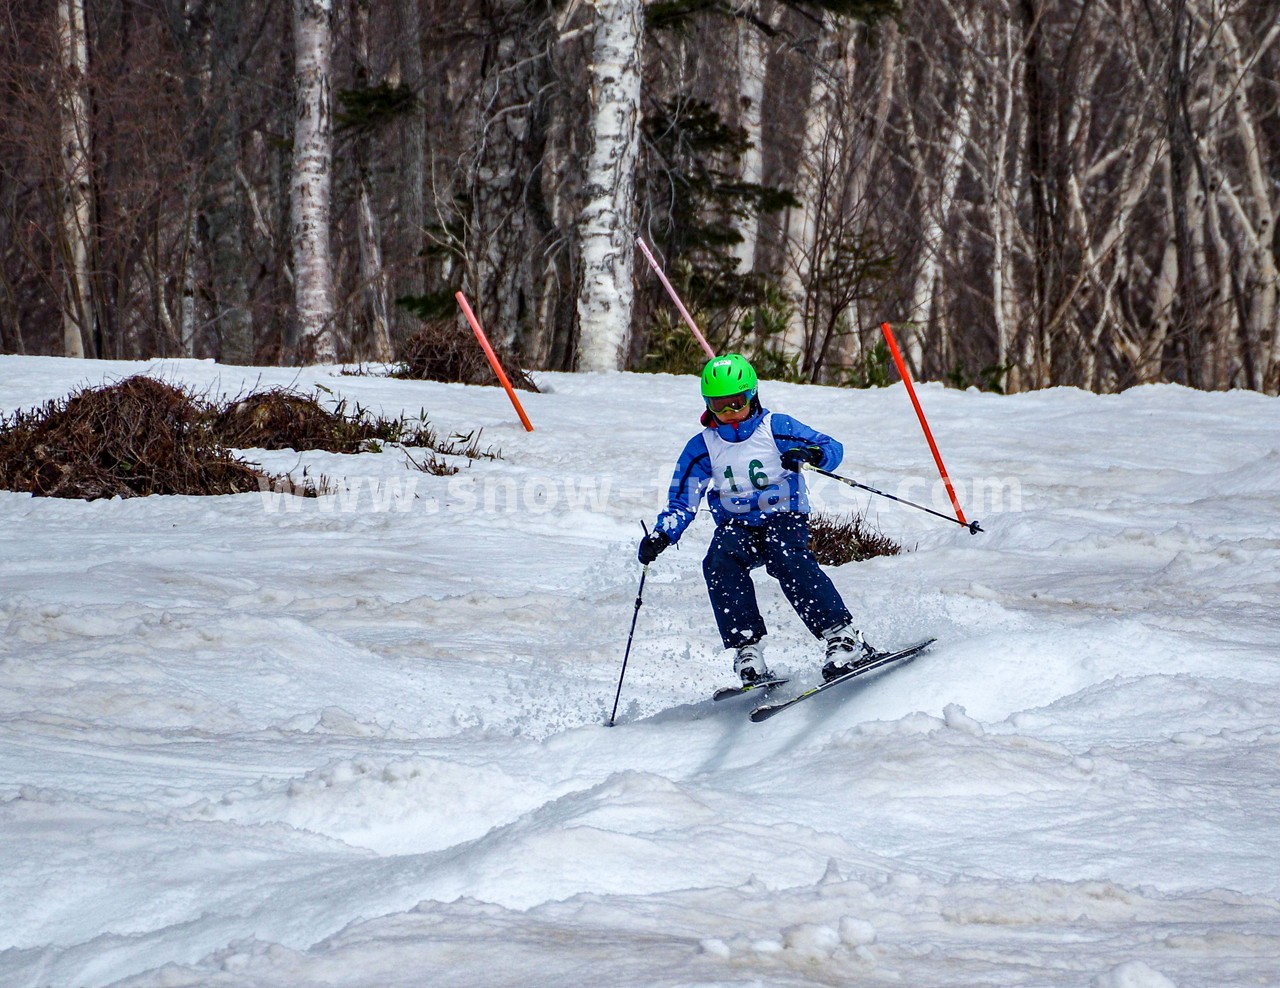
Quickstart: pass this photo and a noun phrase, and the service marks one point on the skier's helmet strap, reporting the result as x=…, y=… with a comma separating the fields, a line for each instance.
x=728, y=375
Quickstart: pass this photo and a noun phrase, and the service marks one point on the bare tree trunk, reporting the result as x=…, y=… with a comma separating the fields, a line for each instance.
x=1255, y=210
x=1150, y=356
x=751, y=78
x=312, y=177
x=413, y=166
x=77, y=203
x=221, y=208
x=1098, y=241
x=373, y=278
x=802, y=220
x=1037, y=347
x=373, y=275
x=1001, y=198
x=187, y=295
x=1178, y=132
x=555, y=192
x=504, y=180
x=607, y=222
x=938, y=201
x=863, y=174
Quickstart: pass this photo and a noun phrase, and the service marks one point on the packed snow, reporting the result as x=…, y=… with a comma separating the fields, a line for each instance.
x=359, y=740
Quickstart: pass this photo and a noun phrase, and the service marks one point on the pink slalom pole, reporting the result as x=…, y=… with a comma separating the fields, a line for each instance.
x=644, y=249
x=493, y=358
x=924, y=423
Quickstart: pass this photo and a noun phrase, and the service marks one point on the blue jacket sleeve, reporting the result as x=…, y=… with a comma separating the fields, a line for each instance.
x=688, y=484
x=789, y=432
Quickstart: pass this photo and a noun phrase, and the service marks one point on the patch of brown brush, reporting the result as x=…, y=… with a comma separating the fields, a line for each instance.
x=135, y=438
x=840, y=539
x=283, y=419
x=143, y=436
x=445, y=350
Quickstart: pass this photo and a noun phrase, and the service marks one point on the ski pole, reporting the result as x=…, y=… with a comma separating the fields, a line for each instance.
x=630, y=635
x=973, y=527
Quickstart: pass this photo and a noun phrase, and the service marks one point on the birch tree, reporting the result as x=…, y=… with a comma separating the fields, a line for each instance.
x=311, y=179
x=830, y=249
x=998, y=149
x=373, y=275
x=411, y=203
x=938, y=193
x=752, y=67
x=1076, y=192
x=607, y=223
x=812, y=173
x=221, y=206
x=76, y=200
x=1254, y=209
x=504, y=177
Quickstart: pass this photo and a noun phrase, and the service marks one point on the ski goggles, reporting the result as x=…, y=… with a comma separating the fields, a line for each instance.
x=731, y=403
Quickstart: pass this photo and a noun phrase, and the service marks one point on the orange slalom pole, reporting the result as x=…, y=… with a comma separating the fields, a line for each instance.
x=924, y=424
x=493, y=358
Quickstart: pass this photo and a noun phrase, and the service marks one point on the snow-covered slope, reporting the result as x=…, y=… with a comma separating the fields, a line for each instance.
x=261, y=740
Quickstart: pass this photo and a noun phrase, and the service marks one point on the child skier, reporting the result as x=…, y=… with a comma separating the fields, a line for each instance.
x=751, y=459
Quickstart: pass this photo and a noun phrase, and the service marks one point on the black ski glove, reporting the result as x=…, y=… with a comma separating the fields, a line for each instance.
x=651, y=546
x=797, y=456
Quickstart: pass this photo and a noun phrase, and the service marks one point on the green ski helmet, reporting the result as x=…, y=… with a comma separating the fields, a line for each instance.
x=728, y=375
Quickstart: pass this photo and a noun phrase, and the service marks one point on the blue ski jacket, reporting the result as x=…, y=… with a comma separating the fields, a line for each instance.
x=770, y=489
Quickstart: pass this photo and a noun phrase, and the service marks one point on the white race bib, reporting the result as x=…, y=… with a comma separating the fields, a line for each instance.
x=748, y=474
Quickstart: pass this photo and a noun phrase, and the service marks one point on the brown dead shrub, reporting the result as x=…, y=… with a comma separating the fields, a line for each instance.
x=283, y=419
x=446, y=350
x=840, y=539
x=143, y=436
x=135, y=438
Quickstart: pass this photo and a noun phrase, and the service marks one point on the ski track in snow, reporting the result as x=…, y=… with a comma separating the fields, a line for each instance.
x=257, y=740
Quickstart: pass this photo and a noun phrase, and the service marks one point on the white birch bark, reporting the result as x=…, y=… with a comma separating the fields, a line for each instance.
x=373, y=274
x=1257, y=220
x=1000, y=198
x=77, y=205
x=1098, y=244
x=373, y=278
x=1169, y=284
x=1150, y=361
x=187, y=311
x=312, y=178
x=412, y=180
x=220, y=205
x=751, y=78
x=862, y=177
x=938, y=206
x=607, y=224
x=802, y=220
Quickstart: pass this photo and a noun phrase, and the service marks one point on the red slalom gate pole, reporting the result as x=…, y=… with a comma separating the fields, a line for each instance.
x=493, y=358
x=973, y=527
x=644, y=249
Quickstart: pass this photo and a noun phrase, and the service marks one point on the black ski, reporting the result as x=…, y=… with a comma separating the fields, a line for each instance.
x=879, y=662
x=764, y=684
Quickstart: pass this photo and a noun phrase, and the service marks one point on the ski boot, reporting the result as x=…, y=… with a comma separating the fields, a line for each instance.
x=846, y=650
x=749, y=664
